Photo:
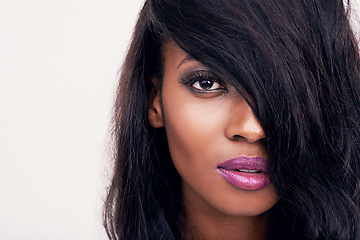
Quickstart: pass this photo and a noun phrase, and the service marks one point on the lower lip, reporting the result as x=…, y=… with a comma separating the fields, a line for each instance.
x=245, y=181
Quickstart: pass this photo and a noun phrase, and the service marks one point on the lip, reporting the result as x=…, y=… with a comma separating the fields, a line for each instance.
x=245, y=172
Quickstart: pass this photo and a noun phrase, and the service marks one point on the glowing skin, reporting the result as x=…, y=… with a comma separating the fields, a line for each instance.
x=208, y=123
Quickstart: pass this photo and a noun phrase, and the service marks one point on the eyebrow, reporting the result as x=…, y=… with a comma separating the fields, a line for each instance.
x=186, y=59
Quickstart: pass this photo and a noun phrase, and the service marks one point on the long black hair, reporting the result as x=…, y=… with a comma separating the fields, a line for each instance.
x=298, y=61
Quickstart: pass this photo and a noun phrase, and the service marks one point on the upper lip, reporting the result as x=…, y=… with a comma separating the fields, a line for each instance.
x=245, y=162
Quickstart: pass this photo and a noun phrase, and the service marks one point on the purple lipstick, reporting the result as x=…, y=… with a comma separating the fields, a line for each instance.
x=245, y=172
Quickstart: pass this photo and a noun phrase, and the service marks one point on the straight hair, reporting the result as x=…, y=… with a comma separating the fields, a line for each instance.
x=299, y=63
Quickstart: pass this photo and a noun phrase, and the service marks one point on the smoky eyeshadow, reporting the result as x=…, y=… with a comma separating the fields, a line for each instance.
x=195, y=74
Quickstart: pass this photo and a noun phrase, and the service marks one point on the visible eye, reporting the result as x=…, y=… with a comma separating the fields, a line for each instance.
x=206, y=85
x=203, y=81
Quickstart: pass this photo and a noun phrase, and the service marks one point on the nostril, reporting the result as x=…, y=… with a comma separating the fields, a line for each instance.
x=250, y=135
x=261, y=140
x=238, y=137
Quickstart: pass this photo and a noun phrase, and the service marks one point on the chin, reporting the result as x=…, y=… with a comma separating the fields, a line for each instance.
x=251, y=209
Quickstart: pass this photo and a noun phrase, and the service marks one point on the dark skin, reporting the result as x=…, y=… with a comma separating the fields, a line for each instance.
x=208, y=122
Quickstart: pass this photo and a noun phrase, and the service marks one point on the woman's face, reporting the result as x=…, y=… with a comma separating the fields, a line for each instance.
x=215, y=141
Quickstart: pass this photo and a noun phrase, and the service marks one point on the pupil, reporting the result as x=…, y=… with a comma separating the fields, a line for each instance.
x=206, y=84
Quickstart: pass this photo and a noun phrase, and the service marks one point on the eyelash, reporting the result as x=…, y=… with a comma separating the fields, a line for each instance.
x=202, y=75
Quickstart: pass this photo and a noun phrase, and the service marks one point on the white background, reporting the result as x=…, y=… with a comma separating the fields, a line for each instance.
x=58, y=68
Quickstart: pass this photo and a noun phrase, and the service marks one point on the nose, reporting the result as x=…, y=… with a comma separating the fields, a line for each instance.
x=243, y=124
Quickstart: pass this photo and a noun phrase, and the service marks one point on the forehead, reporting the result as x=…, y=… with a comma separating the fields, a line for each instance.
x=170, y=50
x=171, y=46
x=174, y=57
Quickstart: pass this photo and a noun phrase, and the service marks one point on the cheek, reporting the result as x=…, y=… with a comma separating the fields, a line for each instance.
x=193, y=129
